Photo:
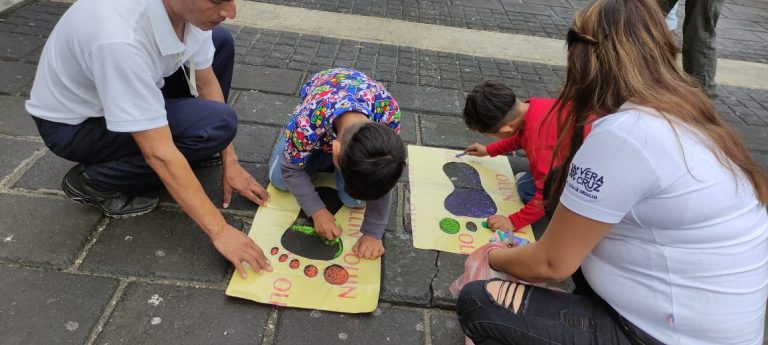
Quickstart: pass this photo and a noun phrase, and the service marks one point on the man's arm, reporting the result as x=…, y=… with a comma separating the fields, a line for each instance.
x=173, y=169
x=235, y=178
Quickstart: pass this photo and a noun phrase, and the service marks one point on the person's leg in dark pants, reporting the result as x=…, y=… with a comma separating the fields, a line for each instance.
x=699, y=40
x=699, y=44
x=501, y=312
x=200, y=128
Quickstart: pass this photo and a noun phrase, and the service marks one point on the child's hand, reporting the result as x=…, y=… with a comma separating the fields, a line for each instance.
x=498, y=222
x=325, y=224
x=368, y=247
x=477, y=150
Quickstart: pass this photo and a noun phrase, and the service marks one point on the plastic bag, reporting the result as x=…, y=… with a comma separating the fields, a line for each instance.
x=476, y=267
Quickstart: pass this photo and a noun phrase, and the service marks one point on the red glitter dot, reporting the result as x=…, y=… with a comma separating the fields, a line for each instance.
x=294, y=264
x=310, y=271
x=336, y=275
x=283, y=258
x=274, y=250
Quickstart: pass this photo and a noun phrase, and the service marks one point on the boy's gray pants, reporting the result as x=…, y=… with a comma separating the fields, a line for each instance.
x=699, y=51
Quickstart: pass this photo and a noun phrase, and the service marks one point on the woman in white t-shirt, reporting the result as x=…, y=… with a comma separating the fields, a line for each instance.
x=661, y=213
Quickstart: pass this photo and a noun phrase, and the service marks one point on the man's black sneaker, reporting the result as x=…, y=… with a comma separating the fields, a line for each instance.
x=79, y=187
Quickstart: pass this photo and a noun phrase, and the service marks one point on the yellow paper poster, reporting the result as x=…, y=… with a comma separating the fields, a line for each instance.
x=452, y=197
x=309, y=271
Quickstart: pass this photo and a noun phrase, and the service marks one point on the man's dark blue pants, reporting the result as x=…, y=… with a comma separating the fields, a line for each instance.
x=200, y=128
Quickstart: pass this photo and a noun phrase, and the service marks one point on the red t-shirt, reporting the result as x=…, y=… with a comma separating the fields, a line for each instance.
x=538, y=144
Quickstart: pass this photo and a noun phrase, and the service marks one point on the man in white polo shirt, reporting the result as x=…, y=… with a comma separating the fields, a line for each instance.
x=135, y=92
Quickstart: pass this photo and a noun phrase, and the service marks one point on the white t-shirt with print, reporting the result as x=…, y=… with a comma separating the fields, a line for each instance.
x=109, y=58
x=687, y=259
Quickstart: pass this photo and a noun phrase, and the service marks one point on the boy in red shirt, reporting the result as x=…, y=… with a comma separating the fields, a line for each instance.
x=493, y=110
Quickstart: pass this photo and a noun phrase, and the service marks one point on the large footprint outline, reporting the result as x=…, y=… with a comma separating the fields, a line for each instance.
x=301, y=239
x=468, y=198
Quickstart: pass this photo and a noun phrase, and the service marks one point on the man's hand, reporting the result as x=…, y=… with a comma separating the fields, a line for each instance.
x=477, y=150
x=368, y=247
x=237, y=247
x=236, y=179
x=498, y=222
x=325, y=224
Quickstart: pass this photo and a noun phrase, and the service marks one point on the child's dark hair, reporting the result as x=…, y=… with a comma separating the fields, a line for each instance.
x=371, y=161
x=487, y=106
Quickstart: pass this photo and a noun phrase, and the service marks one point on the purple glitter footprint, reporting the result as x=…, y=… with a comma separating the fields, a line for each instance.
x=468, y=198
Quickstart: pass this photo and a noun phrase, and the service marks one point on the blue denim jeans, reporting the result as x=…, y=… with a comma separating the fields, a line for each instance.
x=318, y=162
x=526, y=187
x=544, y=317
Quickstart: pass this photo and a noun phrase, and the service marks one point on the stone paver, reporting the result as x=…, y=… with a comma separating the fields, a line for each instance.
x=14, y=76
x=407, y=272
x=14, y=119
x=13, y=152
x=253, y=144
x=44, y=232
x=408, y=126
x=266, y=79
x=395, y=214
x=448, y=131
x=388, y=325
x=428, y=99
x=449, y=267
x=742, y=31
x=160, y=244
x=445, y=329
x=43, y=307
x=15, y=46
x=166, y=314
x=264, y=108
x=46, y=173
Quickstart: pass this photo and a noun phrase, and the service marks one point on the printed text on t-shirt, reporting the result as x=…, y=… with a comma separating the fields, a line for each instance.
x=585, y=181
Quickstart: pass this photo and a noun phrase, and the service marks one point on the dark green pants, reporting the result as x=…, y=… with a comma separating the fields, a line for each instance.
x=699, y=51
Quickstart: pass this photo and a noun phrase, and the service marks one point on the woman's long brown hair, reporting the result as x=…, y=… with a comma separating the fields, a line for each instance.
x=619, y=51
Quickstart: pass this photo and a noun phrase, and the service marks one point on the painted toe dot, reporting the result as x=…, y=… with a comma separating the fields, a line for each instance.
x=283, y=258
x=471, y=226
x=294, y=264
x=336, y=275
x=485, y=224
x=449, y=225
x=274, y=250
x=310, y=271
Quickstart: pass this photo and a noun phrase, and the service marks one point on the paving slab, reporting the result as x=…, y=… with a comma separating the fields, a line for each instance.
x=445, y=328
x=449, y=267
x=46, y=173
x=45, y=232
x=40, y=307
x=14, y=119
x=388, y=325
x=210, y=178
x=266, y=79
x=13, y=152
x=408, y=271
x=14, y=46
x=756, y=138
x=448, y=131
x=253, y=144
x=428, y=99
x=14, y=76
x=160, y=244
x=166, y=314
x=265, y=108
x=393, y=223
x=408, y=127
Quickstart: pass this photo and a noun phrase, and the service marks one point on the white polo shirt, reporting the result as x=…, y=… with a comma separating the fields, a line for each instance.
x=108, y=58
x=687, y=258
